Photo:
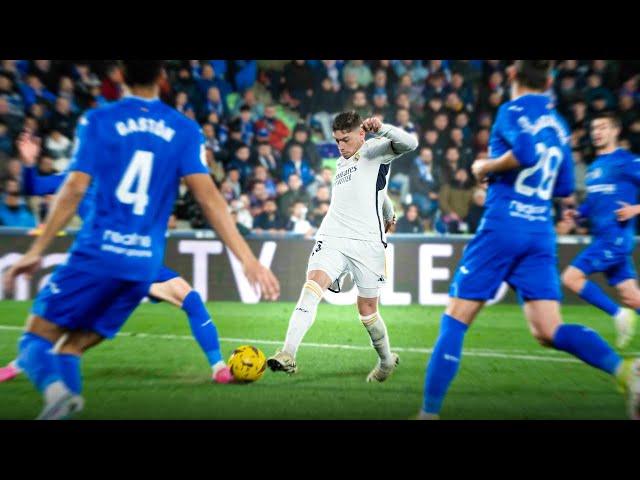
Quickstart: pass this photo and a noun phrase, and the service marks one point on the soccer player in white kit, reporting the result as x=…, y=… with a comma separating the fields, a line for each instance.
x=352, y=236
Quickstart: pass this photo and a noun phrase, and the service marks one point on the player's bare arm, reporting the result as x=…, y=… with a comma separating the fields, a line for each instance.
x=62, y=211
x=627, y=212
x=215, y=210
x=483, y=167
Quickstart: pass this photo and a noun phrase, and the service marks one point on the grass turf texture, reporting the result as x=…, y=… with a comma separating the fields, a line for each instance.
x=163, y=374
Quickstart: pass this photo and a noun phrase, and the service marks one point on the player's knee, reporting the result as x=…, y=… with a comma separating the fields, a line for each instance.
x=367, y=306
x=572, y=279
x=320, y=278
x=77, y=343
x=311, y=294
x=543, y=335
x=631, y=299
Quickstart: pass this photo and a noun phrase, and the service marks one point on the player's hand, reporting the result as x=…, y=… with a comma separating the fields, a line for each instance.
x=28, y=264
x=28, y=148
x=372, y=124
x=570, y=215
x=389, y=223
x=258, y=274
x=626, y=211
x=480, y=169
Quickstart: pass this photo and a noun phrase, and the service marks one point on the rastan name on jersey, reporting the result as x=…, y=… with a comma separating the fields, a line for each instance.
x=145, y=125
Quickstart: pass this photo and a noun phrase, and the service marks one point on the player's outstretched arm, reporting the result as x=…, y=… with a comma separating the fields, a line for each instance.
x=62, y=211
x=215, y=211
x=400, y=140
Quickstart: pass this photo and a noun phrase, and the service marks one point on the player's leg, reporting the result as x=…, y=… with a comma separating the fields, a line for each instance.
x=484, y=266
x=446, y=357
x=597, y=258
x=537, y=283
x=300, y=321
x=368, y=301
x=326, y=264
x=175, y=290
x=367, y=263
x=624, y=278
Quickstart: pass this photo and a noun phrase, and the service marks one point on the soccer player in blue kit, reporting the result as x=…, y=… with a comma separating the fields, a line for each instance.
x=530, y=162
x=168, y=286
x=613, y=184
x=131, y=154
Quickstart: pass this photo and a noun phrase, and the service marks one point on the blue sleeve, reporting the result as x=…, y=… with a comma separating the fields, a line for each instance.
x=524, y=149
x=35, y=184
x=194, y=158
x=506, y=126
x=633, y=170
x=565, y=183
x=584, y=209
x=85, y=150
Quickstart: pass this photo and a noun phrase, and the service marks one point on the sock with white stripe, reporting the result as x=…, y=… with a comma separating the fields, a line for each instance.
x=303, y=316
x=377, y=330
x=202, y=327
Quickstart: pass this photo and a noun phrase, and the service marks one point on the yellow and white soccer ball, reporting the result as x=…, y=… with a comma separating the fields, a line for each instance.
x=247, y=363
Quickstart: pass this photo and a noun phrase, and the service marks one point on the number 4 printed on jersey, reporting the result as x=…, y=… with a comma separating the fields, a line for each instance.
x=139, y=169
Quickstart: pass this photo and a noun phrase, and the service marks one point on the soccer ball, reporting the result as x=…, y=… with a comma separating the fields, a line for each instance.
x=247, y=363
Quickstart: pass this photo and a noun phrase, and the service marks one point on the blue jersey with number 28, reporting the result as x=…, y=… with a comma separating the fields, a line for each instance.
x=136, y=151
x=521, y=199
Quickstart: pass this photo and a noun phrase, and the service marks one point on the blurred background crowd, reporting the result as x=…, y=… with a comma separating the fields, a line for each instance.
x=267, y=127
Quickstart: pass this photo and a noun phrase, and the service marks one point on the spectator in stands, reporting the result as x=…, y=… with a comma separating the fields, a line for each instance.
x=360, y=104
x=361, y=71
x=34, y=91
x=455, y=196
x=241, y=163
x=319, y=213
x=209, y=79
x=214, y=103
x=277, y=130
x=13, y=210
x=267, y=158
x=261, y=174
x=410, y=221
x=381, y=107
x=326, y=102
x=297, y=165
x=233, y=178
x=112, y=84
x=310, y=151
x=323, y=179
x=62, y=119
x=6, y=143
x=476, y=211
x=298, y=222
x=424, y=184
x=269, y=220
x=296, y=193
x=414, y=67
x=258, y=198
x=297, y=81
x=463, y=146
x=13, y=170
x=380, y=85
x=59, y=148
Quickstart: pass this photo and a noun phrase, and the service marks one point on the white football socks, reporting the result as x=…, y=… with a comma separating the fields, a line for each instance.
x=303, y=316
x=379, y=339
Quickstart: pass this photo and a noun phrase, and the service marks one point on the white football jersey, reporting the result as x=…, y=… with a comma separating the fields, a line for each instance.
x=360, y=187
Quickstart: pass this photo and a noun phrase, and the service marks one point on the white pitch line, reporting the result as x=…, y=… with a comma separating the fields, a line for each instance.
x=486, y=353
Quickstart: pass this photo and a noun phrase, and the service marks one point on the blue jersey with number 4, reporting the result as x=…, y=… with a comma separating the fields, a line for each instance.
x=136, y=151
x=612, y=181
x=521, y=199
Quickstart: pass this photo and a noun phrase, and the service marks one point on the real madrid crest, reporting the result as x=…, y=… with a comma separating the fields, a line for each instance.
x=357, y=156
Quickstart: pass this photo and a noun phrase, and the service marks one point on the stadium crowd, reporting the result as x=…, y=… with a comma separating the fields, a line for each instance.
x=267, y=128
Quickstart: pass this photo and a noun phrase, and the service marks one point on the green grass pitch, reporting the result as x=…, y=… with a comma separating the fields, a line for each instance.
x=156, y=371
